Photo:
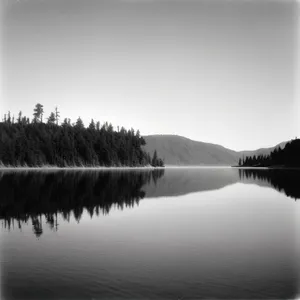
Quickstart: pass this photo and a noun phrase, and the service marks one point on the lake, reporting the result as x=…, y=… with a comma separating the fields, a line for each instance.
x=186, y=233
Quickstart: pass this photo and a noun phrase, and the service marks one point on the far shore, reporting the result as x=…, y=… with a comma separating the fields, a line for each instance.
x=267, y=168
x=77, y=168
x=56, y=168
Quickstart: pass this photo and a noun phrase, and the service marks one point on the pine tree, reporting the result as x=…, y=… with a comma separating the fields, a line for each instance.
x=154, y=159
x=20, y=117
x=57, y=115
x=38, y=113
x=79, y=123
x=98, y=126
x=51, y=119
x=8, y=118
x=92, y=125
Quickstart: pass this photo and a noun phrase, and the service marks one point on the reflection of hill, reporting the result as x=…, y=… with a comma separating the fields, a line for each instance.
x=183, y=181
x=32, y=195
x=286, y=181
x=181, y=151
x=177, y=182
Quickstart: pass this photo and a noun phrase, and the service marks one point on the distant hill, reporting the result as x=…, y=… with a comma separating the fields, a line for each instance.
x=178, y=150
x=262, y=151
x=181, y=151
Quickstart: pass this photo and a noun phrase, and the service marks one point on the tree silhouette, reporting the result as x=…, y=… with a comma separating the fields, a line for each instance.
x=154, y=159
x=57, y=115
x=51, y=119
x=92, y=125
x=35, y=143
x=38, y=113
x=286, y=157
x=20, y=117
x=79, y=123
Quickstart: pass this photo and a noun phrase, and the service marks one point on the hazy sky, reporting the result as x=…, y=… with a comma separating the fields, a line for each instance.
x=217, y=71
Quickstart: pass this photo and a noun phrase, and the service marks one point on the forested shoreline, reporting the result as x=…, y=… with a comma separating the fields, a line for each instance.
x=35, y=143
x=288, y=157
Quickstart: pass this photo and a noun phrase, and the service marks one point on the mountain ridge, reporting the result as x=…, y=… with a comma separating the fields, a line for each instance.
x=181, y=151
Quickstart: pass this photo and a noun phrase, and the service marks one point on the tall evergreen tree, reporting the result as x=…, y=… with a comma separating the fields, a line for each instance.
x=79, y=123
x=51, y=119
x=38, y=113
x=92, y=125
x=20, y=117
x=154, y=159
x=8, y=117
x=57, y=115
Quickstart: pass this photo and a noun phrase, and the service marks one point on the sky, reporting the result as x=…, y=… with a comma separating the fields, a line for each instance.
x=218, y=71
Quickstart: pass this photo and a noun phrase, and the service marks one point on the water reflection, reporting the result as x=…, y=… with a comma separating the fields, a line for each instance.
x=34, y=196
x=43, y=197
x=286, y=181
x=202, y=234
x=178, y=182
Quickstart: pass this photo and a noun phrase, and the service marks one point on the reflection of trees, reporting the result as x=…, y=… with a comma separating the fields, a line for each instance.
x=286, y=181
x=38, y=196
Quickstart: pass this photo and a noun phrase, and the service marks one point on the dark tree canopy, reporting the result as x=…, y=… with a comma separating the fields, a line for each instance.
x=51, y=119
x=286, y=157
x=35, y=143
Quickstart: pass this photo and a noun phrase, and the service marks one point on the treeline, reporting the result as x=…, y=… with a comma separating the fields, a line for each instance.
x=45, y=197
x=25, y=142
x=286, y=157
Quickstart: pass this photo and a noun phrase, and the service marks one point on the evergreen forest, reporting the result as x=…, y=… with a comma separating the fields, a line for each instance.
x=38, y=142
x=286, y=157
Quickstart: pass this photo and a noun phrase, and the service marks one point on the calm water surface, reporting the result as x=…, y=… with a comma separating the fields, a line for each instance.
x=164, y=234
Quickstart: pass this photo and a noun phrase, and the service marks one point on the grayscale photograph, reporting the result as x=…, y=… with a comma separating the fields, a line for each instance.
x=149, y=149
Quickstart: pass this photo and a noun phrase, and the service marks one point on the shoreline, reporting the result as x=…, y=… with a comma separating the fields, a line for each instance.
x=123, y=168
x=55, y=168
x=127, y=168
x=267, y=168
